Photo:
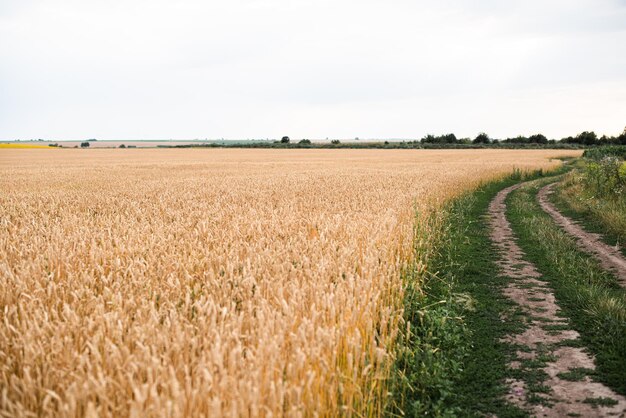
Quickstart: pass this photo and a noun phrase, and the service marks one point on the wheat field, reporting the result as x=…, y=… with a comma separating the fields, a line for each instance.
x=214, y=282
x=23, y=146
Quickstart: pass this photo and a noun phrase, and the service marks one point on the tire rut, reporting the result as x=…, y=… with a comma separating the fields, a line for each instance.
x=610, y=258
x=546, y=336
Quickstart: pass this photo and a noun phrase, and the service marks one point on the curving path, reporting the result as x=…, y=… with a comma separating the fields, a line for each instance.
x=609, y=257
x=545, y=331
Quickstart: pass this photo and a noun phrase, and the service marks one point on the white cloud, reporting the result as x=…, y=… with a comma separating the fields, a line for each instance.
x=72, y=69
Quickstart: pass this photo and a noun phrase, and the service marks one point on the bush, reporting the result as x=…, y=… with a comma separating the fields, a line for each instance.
x=601, y=152
x=335, y=142
x=84, y=144
x=305, y=142
x=607, y=176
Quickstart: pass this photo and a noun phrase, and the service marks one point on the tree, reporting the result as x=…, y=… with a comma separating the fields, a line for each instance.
x=449, y=138
x=429, y=139
x=482, y=138
x=587, y=138
x=284, y=140
x=441, y=139
x=621, y=139
x=538, y=139
x=84, y=144
x=607, y=140
x=335, y=142
x=122, y=146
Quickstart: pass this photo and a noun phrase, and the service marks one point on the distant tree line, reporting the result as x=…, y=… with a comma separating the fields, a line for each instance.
x=590, y=138
x=583, y=138
x=443, y=139
x=533, y=139
x=481, y=138
x=450, y=140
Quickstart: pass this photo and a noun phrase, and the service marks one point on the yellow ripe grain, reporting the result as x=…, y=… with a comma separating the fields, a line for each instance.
x=24, y=146
x=214, y=282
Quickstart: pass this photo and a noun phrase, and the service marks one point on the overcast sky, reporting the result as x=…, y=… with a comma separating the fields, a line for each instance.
x=152, y=69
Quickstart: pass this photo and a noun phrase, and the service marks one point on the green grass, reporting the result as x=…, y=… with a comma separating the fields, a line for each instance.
x=592, y=213
x=576, y=374
x=532, y=373
x=471, y=264
x=588, y=295
x=467, y=263
x=601, y=152
x=454, y=360
x=595, y=402
x=594, y=194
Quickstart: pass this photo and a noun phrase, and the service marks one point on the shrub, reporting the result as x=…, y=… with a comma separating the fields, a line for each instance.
x=601, y=152
x=606, y=176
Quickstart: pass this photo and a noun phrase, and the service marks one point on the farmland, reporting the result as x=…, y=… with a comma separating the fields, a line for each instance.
x=220, y=281
x=22, y=146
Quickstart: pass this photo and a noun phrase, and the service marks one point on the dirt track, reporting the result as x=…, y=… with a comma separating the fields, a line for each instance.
x=609, y=257
x=537, y=300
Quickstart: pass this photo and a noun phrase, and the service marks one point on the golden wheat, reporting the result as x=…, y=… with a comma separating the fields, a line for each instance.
x=213, y=282
x=25, y=146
